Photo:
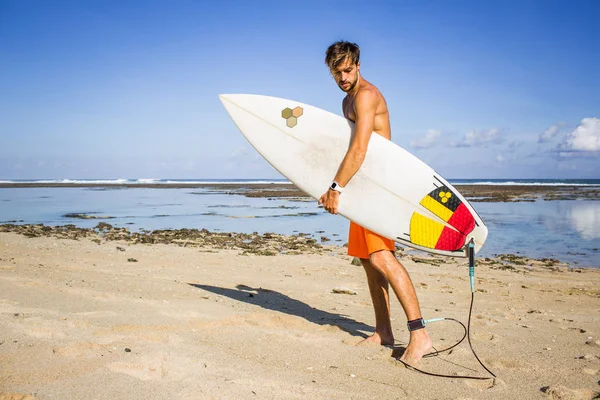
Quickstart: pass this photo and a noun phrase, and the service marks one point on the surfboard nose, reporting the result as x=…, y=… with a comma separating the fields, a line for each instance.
x=224, y=97
x=256, y=105
x=231, y=98
x=233, y=104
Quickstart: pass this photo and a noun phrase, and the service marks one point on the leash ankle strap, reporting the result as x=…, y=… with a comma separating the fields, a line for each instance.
x=416, y=324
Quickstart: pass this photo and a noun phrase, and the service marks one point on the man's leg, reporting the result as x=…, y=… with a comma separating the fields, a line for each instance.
x=378, y=287
x=394, y=272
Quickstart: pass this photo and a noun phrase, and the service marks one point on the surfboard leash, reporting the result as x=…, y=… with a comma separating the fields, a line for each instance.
x=467, y=329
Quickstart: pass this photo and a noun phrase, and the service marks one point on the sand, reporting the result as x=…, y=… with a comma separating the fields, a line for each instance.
x=84, y=319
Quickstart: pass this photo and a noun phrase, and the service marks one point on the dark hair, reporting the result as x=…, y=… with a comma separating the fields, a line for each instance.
x=339, y=51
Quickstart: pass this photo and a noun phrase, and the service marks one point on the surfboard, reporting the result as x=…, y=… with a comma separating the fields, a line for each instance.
x=394, y=193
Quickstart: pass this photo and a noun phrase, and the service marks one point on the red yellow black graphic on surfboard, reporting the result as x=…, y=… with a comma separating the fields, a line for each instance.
x=432, y=234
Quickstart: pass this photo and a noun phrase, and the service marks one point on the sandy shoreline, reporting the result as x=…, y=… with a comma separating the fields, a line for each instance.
x=85, y=318
x=265, y=244
x=475, y=193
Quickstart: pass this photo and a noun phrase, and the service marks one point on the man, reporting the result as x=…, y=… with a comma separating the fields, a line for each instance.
x=365, y=105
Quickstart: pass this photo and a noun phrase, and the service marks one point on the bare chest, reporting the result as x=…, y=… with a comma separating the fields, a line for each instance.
x=349, y=112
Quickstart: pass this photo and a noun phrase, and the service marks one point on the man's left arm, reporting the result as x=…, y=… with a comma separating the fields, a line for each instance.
x=365, y=105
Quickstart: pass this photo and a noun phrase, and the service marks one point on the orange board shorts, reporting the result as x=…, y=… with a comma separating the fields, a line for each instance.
x=362, y=242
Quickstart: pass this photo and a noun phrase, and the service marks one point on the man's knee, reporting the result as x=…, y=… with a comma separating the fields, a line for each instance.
x=380, y=256
x=384, y=261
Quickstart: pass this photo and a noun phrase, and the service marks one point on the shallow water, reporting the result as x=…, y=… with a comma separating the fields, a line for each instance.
x=567, y=230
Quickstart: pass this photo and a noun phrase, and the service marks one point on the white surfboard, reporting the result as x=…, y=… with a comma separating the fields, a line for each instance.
x=393, y=193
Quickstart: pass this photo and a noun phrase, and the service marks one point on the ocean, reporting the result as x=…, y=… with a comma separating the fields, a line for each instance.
x=567, y=230
x=146, y=181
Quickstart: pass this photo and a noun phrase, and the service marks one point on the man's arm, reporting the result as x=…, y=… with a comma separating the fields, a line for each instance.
x=365, y=106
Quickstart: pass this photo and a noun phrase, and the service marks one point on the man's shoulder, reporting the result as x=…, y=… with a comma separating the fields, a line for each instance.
x=368, y=94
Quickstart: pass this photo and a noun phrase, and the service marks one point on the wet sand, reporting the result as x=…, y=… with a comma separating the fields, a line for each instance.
x=105, y=314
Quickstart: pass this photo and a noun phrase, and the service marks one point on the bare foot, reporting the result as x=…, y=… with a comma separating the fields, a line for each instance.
x=420, y=343
x=380, y=339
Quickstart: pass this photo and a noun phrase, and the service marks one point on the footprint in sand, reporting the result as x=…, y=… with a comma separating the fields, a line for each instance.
x=137, y=333
x=152, y=368
x=508, y=364
x=559, y=392
x=139, y=371
x=80, y=349
x=16, y=396
x=512, y=316
x=484, y=321
x=43, y=332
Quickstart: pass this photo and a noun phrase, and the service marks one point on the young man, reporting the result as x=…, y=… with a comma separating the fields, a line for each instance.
x=365, y=105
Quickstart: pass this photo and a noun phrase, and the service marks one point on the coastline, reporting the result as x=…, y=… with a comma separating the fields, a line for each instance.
x=474, y=193
x=91, y=316
x=523, y=219
x=266, y=244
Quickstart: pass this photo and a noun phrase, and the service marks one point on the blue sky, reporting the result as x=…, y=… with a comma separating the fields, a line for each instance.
x=112, y=89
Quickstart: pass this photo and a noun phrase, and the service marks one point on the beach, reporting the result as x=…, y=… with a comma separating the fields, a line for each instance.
x=238, y=290
x=105, y=313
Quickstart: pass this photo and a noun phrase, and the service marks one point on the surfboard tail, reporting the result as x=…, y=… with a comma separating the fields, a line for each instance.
x=459, y=228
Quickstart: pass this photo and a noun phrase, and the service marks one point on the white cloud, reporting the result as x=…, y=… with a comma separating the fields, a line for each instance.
x=564, y=166
x=500, y=158
x=190, y=166
x=176, y=165
x=515, y=145
x=429, y=140
x=586, y=137
x=550, y=133
x=239, y=152
x=245, y=160
x=566, y=154
x=47, y=165
x=477, y=138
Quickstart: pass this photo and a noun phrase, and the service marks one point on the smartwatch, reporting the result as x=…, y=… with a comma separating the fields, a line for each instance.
x=336, y=186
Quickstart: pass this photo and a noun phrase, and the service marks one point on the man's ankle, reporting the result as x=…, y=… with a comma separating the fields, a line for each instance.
x=419, y=333
x=384, y=334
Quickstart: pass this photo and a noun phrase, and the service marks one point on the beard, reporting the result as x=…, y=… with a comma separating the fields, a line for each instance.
x=350, y=86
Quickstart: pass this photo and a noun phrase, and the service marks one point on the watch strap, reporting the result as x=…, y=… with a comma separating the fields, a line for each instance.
x=336, y=186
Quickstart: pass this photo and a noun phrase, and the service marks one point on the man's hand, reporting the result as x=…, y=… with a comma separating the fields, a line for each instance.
x=330, y=200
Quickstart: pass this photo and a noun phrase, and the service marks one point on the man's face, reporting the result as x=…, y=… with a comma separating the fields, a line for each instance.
x=346, y=75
